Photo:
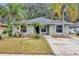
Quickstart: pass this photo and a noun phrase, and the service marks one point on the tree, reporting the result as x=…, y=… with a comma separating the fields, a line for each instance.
x=37, y=10
x=3, y=14
x=72, y=10
x=14, y=12
x=56, y=10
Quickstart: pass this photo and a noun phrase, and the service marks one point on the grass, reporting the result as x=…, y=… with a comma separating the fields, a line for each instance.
x=25, y=46
x=74, y=35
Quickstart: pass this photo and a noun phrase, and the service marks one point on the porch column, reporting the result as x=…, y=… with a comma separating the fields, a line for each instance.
x=55, y=29
x=19, y=28
x=63, y=29
x=13, y=30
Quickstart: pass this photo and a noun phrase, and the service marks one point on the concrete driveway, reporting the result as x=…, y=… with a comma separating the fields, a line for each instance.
x=64, y=46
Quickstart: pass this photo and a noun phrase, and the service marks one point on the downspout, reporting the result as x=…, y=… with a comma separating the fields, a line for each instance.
x=63, y=22
x=74, y=27
x=63, y=18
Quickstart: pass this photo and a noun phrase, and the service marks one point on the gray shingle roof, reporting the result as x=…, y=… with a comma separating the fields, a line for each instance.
x=61, y=22
x=42, y=20
x=35, y=20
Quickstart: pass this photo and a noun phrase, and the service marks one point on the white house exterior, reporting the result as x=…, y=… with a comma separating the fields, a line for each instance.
x=49, y=27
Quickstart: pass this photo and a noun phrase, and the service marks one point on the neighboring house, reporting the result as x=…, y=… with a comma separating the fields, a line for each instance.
x=77, y=27
x=2, y=27
x=74, y=28
x=49, y=27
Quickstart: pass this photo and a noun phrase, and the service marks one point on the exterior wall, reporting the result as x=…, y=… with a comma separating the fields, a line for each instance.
x=72, y=30
x=77, y=29
x=52, y=29
x=66, y=29
x=14, y=29
x=30, y=30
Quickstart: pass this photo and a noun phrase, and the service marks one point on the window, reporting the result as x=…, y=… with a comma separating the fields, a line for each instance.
x=59, y=28
x=23, y=29
x=43, y=29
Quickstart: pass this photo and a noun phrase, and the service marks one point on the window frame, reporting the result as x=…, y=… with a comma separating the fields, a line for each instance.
x=59, y=29
x=44, y=29
x=23, y=29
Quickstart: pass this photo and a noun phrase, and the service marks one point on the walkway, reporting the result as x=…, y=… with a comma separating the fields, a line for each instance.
x=63, y=46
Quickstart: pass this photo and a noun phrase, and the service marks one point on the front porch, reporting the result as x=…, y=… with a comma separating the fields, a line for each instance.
x=42, y=29
x=30, y=29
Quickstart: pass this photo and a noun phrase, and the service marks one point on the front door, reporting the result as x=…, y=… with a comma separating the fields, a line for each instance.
x=37, y=29
x=41, y=30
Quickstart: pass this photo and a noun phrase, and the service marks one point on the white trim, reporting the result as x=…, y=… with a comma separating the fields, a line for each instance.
x=21, y=31
x=58, y=32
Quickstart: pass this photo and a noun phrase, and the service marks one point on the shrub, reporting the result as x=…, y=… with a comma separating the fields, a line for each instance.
x=77, y=33
x=17, y=34
x=8, y=31
x=1, y=37
x=30, y=35
x=37, y=36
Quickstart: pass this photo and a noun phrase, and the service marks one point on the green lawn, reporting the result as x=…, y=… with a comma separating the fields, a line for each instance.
x=74, y=35
x=28, y=46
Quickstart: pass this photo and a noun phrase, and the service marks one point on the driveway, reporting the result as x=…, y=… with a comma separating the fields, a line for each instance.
x=64, y=46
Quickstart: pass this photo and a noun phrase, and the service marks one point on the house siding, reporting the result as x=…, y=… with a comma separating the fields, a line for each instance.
x=66, y=29
x=52, y=29
x=77, y=29
x=30, y=29
x=14, y=30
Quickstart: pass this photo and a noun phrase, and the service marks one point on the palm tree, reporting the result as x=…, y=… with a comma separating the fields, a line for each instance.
x=14, y=12
x=72, y=10
x=3, y=13
x=57, y=10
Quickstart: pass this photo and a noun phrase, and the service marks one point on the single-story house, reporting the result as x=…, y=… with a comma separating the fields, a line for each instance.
x=77, y=27
x=49, y=27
